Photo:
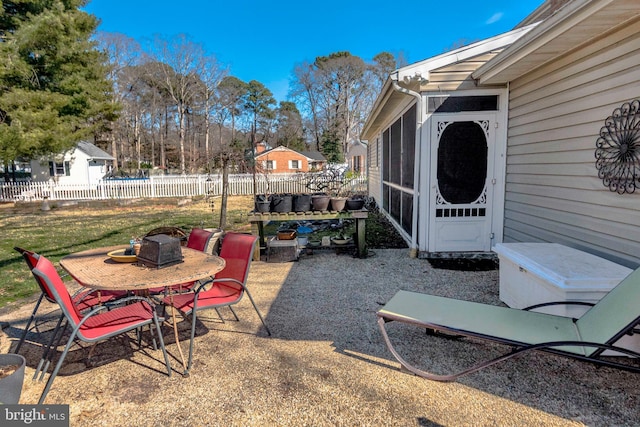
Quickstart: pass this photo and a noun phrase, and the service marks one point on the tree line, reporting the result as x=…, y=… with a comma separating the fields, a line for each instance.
x=167, y=104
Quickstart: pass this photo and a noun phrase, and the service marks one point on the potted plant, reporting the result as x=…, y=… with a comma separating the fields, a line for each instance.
x=263, y=201
x=281, y=203
x=338, y=202
x=301, y=202
x=11, y=377
x=320, y=201
x=355, y=202
x=329, y=185
x=341, y=239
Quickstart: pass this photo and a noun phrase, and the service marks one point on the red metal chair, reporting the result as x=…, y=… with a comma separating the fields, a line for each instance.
x=228, y=287
x=84, y=300
x=199, y=239
x=100, y=323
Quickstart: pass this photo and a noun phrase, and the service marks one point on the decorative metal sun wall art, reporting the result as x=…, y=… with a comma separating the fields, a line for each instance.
x=618, y=149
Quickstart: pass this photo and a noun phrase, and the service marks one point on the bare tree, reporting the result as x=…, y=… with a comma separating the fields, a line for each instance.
x=231, y=94
x=123, y=53
x=306, y=94
x=342, y=78
x=181, y=62
x=289, y=129
x=336, y=92
x=212, y=75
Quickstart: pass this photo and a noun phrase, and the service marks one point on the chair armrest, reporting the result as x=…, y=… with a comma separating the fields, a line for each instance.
x=202, y=284
x=227, y=279
x=547, y=304
x=209, y=282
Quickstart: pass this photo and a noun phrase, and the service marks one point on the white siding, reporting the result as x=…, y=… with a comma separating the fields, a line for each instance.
x=553, y=193
x=374, y=149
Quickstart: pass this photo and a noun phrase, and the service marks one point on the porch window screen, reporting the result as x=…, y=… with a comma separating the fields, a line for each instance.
x=462, y=162
x=395, y=152
x=407, y=212
x=408, y=146
x=398, y=154
x=386, y=142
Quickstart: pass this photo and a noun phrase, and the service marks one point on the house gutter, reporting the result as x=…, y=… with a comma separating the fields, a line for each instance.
x=413, y=251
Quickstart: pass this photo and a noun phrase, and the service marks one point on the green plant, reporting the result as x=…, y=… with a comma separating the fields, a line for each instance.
x=62, y=231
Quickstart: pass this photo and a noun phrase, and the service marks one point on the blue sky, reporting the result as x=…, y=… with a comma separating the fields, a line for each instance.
x=264, y=40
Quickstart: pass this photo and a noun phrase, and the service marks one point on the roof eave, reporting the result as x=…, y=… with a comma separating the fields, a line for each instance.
x=516, y=60
x=422, y=69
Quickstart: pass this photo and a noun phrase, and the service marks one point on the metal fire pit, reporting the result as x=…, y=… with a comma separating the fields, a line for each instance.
x=160, y=251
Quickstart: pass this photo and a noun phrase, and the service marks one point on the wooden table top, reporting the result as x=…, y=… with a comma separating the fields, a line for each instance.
x=94, y=269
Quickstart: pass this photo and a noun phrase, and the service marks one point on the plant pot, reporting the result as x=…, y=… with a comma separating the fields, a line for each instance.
x=301, y=202
x=341, y=240
x=314, y=243
x=213, y=246
x=286, y=234
x=11, y=385
x=355, y=204
x=338, y=203
x=281, y=203
x=263, y=203
x=320, y=202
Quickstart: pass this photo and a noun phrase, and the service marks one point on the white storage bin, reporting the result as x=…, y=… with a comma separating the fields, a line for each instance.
x=534, y=273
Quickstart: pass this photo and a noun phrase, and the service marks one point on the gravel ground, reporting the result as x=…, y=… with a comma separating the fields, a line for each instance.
x=326, y=362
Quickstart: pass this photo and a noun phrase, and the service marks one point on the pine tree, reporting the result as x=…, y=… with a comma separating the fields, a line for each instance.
x=53, y=86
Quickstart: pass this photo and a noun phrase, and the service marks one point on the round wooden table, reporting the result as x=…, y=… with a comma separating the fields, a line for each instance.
x=94, y=269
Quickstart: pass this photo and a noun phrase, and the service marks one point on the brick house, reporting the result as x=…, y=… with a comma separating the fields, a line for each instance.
x=285, y=160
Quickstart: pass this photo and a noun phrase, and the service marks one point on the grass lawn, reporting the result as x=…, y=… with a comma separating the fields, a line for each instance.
x=64, y=230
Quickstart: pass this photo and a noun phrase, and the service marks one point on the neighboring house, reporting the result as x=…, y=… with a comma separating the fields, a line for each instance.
x=357, y=156
x=285, y=160
x=504, y=137
x=85, y=164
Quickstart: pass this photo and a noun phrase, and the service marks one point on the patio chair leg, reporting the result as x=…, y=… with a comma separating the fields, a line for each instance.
x=257, y=311
x=234, y=313
x=26, y=328
x=193, y=334
x=51, y=350
x=219, y=314
x=153, y=337
x=48, y=348
x=53, y=375
x=164, y=350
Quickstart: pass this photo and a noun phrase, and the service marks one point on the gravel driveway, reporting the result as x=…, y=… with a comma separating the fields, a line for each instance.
x=326, y=363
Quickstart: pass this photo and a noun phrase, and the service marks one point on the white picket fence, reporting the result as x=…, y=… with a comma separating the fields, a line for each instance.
x=161, y=186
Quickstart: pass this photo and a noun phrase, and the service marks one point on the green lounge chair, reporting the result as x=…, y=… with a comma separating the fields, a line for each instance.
x=586, y=338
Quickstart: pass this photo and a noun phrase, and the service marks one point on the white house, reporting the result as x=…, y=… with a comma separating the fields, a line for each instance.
x=443, y=196
x=524, y=137
x=85, y=164
x=357, y=156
